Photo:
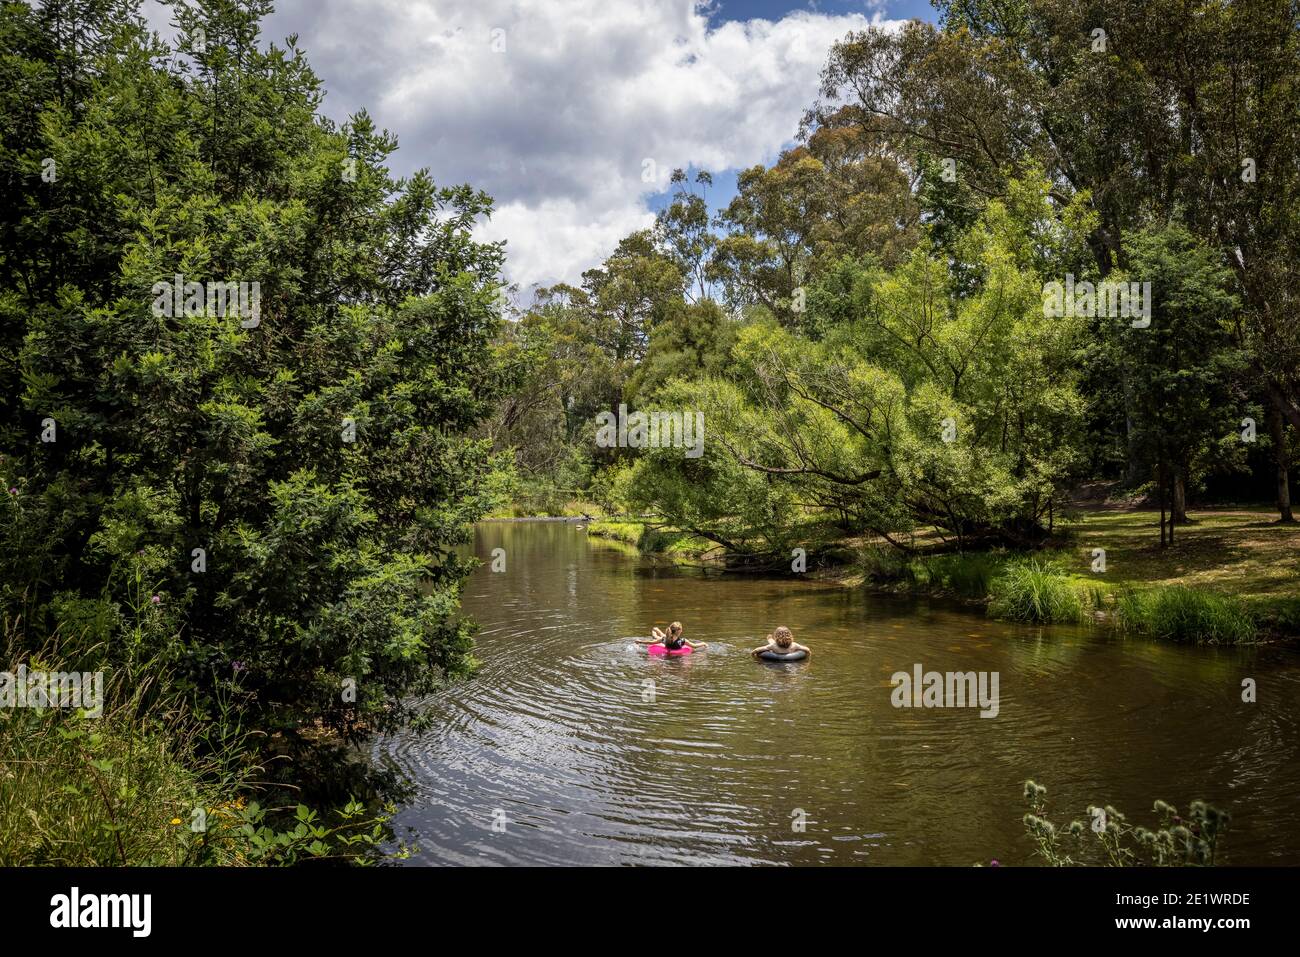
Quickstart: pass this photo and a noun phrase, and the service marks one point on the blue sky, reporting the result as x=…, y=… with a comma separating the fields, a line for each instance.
x=573, y=113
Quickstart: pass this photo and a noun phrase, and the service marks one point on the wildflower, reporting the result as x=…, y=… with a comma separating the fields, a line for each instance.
x=176, y=820
x=13, y=491
x=156, y=599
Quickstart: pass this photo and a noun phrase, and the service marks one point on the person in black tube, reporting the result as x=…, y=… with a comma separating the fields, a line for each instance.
x=782, y=642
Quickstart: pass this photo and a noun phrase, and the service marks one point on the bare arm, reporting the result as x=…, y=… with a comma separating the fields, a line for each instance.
x=695, y=644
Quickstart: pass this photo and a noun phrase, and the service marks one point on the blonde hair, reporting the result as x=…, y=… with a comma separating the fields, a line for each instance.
x=675, y=629
x=782, y=636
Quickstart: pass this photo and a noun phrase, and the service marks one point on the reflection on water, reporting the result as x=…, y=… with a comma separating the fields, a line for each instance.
x=592, y=752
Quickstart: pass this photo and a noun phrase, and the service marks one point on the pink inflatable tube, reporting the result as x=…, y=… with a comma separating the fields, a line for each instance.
x=661, y=650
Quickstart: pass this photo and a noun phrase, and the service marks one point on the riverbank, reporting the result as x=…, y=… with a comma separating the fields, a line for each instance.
x=129, y=774
x=1231, y=575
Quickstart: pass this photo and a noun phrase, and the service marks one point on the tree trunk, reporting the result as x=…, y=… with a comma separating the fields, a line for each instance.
x=1281, y=400
x=1160, y=494
x=1131, y=470
x=1178, y=513
x=1172, y=485
x=1277, y=430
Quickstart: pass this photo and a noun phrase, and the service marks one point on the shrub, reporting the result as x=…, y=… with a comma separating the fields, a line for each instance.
x=883, y=563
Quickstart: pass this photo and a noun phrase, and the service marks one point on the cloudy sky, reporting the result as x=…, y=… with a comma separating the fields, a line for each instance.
x=557, y=108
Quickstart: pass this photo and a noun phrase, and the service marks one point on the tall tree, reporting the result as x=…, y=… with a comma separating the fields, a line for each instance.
x=264, y=484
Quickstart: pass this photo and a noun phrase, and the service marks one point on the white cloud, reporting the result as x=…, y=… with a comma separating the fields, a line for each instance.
x=556, y=239
x=556, y=125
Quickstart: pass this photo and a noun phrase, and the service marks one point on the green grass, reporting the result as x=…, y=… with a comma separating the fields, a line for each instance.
x=1241, y=552
x=1034, y=590
x=146, y=783
x=884, y=564
x=650, y=540
x=1179, y=613
x=115, y=790
x=1232, y=575
x=629, y=533
x=967, y=575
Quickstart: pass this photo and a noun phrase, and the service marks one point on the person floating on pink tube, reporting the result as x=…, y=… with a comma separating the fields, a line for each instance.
x=672, y=643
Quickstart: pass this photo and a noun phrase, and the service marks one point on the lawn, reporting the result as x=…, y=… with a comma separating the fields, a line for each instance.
x=1242, y=552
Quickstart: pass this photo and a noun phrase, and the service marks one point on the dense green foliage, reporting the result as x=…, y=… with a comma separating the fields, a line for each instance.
x=262, y=502
x=260, y=498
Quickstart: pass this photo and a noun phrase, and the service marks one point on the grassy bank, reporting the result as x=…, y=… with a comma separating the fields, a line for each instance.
x=1233, y=575
x=1241, y=554
x=137, y=780
x=652, y=540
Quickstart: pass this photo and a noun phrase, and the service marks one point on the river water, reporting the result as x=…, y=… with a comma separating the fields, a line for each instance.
x=572, y=746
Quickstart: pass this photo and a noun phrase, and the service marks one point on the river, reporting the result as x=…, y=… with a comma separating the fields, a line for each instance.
x=572, y=746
